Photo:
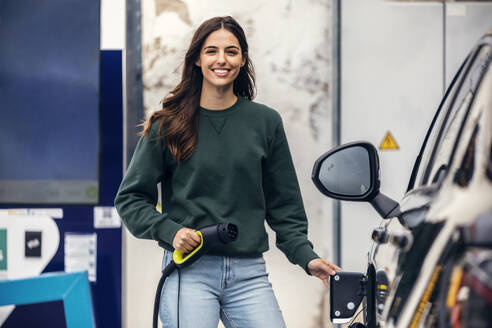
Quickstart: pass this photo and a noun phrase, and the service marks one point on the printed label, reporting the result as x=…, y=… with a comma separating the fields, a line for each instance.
x=106, y=217
x=55, y=213
x=81, y=253
x=388, y=142
x=33, y=244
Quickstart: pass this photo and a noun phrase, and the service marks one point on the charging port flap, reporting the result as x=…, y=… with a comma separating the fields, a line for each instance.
x=347, y=289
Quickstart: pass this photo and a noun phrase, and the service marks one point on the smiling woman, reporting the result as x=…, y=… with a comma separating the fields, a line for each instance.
x=220, y=158
x=221, y=60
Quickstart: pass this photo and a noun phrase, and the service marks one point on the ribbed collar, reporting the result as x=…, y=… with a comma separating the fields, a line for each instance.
x=222, y=112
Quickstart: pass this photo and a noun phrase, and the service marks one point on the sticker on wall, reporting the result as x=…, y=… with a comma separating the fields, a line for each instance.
x=3, y=250
x=81, y=253
x=33, y=244
x=106, y=217
x=456, y=10
x=388, y=142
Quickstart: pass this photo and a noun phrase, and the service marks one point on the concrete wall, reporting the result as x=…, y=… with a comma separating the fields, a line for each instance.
x=392, y=73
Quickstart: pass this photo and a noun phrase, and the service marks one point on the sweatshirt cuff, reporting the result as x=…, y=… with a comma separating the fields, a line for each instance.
x=304, y=255
x=167, y=230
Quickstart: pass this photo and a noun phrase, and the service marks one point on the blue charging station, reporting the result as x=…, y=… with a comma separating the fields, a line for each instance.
x=106, y=290
x=61, y=129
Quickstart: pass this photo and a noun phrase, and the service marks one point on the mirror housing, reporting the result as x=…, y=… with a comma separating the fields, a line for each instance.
x=334, y=171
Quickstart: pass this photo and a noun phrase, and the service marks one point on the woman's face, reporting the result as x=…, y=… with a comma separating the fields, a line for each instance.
x=220, y=59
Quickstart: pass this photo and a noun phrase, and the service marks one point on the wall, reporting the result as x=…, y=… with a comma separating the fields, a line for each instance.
x=392, y=73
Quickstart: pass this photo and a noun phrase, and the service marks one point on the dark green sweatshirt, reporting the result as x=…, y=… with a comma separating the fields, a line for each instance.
x=240, y=172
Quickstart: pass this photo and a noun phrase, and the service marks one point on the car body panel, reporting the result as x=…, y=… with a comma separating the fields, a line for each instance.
x=450, y=186
x=455, y=205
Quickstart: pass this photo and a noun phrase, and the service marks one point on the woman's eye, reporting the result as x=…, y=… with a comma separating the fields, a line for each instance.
x=229, y=52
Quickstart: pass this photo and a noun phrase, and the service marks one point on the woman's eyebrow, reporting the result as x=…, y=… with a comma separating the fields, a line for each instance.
x=215, y=47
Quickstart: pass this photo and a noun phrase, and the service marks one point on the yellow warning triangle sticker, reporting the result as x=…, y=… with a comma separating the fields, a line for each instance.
x=388, y=142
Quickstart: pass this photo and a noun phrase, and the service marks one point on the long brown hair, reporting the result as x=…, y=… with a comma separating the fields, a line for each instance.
x=179, y=114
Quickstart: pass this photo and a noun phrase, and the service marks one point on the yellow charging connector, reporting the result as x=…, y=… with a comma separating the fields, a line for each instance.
x=178, y=255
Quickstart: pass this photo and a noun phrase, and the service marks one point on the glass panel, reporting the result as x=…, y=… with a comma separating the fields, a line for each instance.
x=464, y=173
x=49, y=101
x=347, y=172
x=432, y=166
x=441, y=160
x=435, y=135
x=457, y=116
x=443, y=147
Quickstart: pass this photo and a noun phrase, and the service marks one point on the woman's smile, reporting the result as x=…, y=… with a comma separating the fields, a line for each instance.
x=221, y=72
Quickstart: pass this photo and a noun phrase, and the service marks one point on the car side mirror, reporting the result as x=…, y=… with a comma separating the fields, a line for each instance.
x=351, y=172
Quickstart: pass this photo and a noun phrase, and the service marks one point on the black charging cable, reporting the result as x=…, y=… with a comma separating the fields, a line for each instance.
x=179, y=287
x=165, y=273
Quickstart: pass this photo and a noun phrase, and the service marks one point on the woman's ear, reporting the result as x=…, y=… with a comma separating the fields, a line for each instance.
x=198, y=62
x=243, y=60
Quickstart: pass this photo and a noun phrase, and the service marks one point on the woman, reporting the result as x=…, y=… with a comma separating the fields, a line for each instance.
x=219, y=158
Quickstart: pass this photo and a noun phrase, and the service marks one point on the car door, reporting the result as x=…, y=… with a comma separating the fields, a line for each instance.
x=404, y=264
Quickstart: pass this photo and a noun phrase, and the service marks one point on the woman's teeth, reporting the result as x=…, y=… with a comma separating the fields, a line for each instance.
x=220, y=71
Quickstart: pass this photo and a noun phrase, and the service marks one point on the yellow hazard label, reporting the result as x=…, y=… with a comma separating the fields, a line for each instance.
x=388, y=142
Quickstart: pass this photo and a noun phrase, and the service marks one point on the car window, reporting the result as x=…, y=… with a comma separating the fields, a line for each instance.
x=454, y=134
x=440, y=166
x=433, y=134
x=464, y=173
x=448, y=124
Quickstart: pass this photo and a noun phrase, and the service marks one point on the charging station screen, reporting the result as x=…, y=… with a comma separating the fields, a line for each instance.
x=49, y=102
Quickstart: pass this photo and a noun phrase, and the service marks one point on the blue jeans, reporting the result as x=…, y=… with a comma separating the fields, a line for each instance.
x=236, y=290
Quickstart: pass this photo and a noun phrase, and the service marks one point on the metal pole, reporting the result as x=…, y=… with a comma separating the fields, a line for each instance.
x=444, y=48
x=336, y=120
x=133, y=111
x=336, y=124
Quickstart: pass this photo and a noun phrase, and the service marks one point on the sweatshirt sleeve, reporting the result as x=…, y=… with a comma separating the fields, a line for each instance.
x=285, y=212
x=137, y=195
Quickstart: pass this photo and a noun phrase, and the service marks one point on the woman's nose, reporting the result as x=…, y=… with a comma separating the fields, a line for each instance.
x=221, y=58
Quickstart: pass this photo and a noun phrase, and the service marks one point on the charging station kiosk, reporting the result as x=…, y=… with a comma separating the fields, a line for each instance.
x=61, y=153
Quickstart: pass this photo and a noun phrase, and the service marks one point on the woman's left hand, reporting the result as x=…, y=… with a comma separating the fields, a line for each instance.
x=322, y=269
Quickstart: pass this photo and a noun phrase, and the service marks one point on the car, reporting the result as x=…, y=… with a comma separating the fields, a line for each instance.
x=431, y=260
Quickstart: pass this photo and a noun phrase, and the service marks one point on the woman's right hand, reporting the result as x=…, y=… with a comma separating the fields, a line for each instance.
x=186, y=240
